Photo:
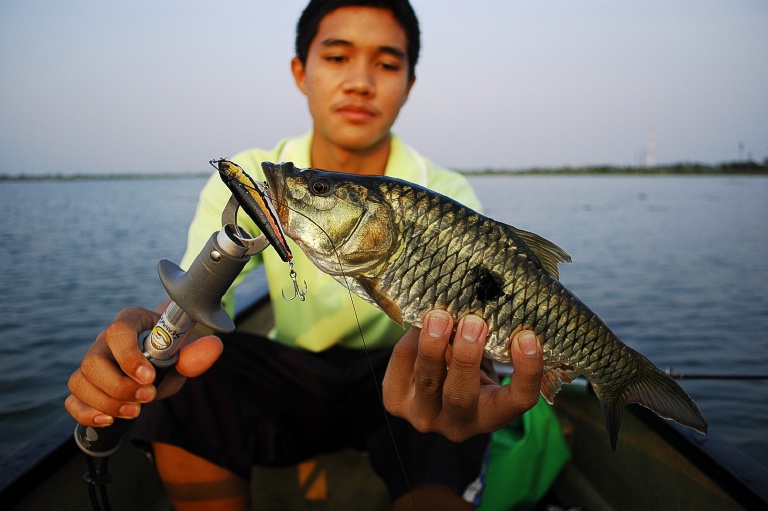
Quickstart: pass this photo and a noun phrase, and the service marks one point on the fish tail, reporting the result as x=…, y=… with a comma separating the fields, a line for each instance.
x=657, y=391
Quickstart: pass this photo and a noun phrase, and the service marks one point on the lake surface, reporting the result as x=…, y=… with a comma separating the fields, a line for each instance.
x=676, y=266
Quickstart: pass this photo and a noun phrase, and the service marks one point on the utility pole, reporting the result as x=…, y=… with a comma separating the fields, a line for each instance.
x=650, y=148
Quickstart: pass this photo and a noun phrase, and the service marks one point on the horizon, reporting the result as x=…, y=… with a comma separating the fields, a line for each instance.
x=733, y=168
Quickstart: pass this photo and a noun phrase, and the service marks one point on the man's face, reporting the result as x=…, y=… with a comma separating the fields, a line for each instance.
x=356, y=77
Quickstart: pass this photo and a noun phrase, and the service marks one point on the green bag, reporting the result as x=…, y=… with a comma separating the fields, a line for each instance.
x=525, y=458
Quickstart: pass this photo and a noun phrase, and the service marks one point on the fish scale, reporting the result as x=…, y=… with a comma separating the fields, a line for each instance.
x=562, y=320
x=562, y=328
x=408, y=250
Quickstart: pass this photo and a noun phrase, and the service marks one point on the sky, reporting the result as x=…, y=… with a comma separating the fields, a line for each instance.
x=91, y=86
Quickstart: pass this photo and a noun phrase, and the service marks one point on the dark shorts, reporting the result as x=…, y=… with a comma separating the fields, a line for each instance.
x=267, y=404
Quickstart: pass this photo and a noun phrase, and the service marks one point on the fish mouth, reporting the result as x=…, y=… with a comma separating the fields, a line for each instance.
x=275, y=176
x=270, y=173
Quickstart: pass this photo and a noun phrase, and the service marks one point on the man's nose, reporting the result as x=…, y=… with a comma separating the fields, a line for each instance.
x=359, y=79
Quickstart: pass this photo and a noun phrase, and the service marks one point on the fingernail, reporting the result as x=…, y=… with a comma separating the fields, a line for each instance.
x=103, y=420
x=145, y=394
x=471, y=327
x=144, y=374
x=437, y=323
x=129, y=410
x=528, y=343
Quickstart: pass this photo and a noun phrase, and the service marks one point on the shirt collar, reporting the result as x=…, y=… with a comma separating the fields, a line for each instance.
x=403, y=163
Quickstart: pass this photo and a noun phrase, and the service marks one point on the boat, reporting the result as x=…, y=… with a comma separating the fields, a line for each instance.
x=657, y=465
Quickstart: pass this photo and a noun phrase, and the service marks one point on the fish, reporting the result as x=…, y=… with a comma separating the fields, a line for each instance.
x=408, y=250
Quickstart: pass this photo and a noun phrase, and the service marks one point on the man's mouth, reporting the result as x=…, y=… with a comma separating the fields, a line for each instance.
x=356, y=113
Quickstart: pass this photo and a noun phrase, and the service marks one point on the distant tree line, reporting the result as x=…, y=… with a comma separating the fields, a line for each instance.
x=727, y=168
x=101, y=177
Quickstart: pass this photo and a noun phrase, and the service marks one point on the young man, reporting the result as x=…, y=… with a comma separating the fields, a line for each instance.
x=309, y=389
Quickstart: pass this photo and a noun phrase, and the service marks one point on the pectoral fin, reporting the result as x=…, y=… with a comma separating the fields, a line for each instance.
x=554, y=378
x=383, y=301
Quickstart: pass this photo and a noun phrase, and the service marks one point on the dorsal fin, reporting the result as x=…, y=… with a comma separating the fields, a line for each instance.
x=549, y=254
x=383, y=301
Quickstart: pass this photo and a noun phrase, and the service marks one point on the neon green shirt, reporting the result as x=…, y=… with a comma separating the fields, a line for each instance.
x=327, y=317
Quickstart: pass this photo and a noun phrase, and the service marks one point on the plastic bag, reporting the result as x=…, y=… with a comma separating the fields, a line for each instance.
x=525, y=458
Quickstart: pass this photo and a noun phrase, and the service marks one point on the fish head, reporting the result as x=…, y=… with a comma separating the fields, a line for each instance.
x=340, y=221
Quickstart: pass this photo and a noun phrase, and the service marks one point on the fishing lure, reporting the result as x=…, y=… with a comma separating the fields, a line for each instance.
x=253, y=197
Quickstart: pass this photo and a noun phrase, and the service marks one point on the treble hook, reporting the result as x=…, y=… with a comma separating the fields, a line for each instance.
x=296, y=291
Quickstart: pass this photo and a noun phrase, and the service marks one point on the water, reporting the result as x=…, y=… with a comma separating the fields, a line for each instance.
x=675, y=265
x=72, y=254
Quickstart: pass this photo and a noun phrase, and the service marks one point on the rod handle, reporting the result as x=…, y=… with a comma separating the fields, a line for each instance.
x=101, y=442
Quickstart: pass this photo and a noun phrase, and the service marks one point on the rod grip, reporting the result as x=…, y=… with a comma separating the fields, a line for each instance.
x=104, y=441
x=196, y=294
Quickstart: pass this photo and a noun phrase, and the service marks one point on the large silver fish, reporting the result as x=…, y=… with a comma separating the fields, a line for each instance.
x=407, y=250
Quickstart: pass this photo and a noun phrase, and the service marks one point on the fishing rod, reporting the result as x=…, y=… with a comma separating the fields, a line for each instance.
x=506, y=370
x=704, y=376
x=195, y=298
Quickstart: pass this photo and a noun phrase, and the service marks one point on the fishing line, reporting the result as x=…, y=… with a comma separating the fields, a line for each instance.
x=365, y=347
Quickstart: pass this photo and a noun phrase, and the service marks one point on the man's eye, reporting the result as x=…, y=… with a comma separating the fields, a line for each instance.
x=390, y=66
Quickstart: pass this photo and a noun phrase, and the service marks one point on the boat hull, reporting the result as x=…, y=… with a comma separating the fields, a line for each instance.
x=657, y=465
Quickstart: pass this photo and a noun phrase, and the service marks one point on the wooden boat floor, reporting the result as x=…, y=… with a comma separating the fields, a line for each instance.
x=654, y=467
x=645, y=472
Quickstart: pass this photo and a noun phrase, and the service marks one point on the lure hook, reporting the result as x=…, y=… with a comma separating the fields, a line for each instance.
x=297, y=292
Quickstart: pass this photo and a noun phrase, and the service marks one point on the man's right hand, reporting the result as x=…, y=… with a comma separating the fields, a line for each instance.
x=115, y=378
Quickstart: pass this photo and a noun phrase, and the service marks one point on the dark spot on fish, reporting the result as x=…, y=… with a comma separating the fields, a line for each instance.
x=488, y=285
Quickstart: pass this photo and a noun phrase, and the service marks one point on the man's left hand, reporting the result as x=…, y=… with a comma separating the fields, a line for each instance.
x=440, y=386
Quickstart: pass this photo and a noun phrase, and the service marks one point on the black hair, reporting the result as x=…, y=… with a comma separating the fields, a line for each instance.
x=316, y=10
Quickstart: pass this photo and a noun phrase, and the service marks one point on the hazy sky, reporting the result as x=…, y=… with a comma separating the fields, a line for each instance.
x=166, y=85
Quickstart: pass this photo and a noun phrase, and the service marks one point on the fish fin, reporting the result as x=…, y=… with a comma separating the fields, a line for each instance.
x=383, y=301
x=554, y=378
x=657, y=391
x=549, y=254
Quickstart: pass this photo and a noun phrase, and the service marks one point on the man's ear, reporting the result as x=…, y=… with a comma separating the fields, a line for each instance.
x=411, y=81
x=299, y=74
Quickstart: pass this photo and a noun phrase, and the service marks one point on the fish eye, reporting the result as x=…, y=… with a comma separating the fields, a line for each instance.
x=320, y=186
